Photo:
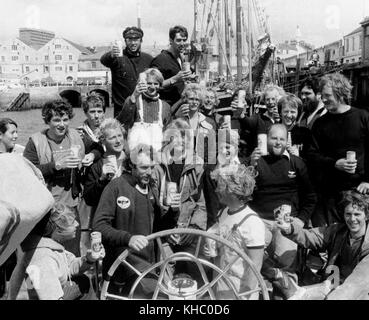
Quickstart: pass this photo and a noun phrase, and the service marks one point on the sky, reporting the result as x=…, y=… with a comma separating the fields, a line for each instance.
x=99, y=22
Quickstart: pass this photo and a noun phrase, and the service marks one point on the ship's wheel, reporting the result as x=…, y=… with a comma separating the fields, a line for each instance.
x=163, y=269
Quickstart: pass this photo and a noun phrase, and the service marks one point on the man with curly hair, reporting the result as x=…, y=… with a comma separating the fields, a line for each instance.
x=58, y=152
x=239, y=224
x=347, y=246
x=342, y=129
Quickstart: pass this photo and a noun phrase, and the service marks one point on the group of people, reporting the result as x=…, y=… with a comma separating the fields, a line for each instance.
x=289, y=185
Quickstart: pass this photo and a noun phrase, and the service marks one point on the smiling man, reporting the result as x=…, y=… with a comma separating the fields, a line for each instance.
x=342, y=129
x=347, y=245
x=282, y=180
x=125, y=68
x=51, y=151
x=144, y=114
x=125, y=217
x=170, y=62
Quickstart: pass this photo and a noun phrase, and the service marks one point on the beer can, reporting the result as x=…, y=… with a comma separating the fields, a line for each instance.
x=112, y=160
x=262, y=143
x=211, y=246
x=351, y=156
x=241, y=98
x=119, y=44
x=227, y=119
x=95, y=243
x=186, y=66
x=171, y=190
x=283, y=212
x=142, y=78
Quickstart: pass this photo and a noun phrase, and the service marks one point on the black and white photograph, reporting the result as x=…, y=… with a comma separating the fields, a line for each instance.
x=181, y=155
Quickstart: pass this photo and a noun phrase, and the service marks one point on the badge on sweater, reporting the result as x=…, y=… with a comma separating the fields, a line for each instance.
x=123, y=203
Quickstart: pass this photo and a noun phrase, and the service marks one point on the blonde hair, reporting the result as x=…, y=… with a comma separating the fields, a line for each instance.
x=109, y=124
x=236, y=179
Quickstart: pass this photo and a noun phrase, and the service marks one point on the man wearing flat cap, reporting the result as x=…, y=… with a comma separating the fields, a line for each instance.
x=126, y=68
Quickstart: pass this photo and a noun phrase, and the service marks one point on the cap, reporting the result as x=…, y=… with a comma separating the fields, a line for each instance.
x=133, y=32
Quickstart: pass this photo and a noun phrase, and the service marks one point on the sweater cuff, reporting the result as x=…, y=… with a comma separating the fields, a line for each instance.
x=126, y=237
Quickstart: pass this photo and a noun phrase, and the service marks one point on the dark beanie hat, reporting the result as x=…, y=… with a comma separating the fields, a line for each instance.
x=133, y=32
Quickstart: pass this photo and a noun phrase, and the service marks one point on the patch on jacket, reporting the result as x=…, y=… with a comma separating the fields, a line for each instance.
x=123, y=203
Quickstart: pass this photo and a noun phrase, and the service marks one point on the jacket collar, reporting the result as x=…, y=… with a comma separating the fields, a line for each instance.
x=130, y=54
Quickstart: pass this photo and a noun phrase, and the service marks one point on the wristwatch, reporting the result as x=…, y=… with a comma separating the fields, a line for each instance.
x=58, y=166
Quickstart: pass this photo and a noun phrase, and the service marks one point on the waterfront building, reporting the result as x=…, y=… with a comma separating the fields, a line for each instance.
x=35, y=38
x=353, y=43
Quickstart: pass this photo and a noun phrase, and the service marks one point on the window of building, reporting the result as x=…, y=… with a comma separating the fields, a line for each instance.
x=352, y=60
x=347, y=61
x=14, y=47
x=58, y=46
x=14, y=58
x=71, y=68
x=2, y=59
x=334, y=52
x=58, y=68
x=360, y=43
x=93, y=64
x=58, y=57
x=27, y=58
x=353, y=44
x=27, y=69
x=46, y=69
x=70, y=57
x=46, y=58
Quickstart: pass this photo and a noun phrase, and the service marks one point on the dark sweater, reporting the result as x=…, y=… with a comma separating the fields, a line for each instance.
x=118, y=223
x=93, y=187
x=251, y=127
x=124, y=72
x=169, y=67
x=302, y=137
x=274, y=187
x=333, y=136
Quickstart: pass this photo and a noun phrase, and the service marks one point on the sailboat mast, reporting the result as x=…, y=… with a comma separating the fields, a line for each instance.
x=195, y=20
x=249, y=45
x=239, y=41
x=226, y=35
x=220, y=60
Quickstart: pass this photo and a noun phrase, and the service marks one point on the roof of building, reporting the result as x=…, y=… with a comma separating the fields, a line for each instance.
x=32, y=44
x=357, y=30
x=286, y=46
x=83, y=49
x=27, y=43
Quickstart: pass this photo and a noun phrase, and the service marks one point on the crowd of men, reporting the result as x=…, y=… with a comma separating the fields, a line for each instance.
x=115, y=176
